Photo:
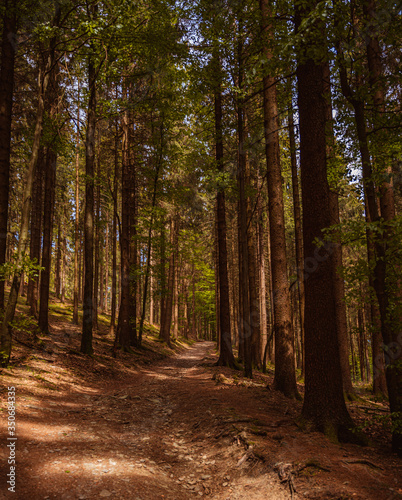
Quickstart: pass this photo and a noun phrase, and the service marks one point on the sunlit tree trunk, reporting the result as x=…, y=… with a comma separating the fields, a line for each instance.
x=262, y=279
x=36, y=233
x=285, y=371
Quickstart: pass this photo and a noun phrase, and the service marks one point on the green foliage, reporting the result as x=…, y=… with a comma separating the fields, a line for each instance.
x=25, y=324
x=28, y=266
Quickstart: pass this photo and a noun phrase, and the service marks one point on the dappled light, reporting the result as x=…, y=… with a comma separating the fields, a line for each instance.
x=200, y=249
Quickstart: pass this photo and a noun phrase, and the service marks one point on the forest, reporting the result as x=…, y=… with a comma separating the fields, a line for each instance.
x=216, y=171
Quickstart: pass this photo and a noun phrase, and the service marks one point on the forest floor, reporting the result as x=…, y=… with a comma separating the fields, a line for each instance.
x=167, y=424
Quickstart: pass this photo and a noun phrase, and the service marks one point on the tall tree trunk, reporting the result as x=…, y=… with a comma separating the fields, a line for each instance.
x=252, y=277
x=63, y=263
x=176, y=301
x=80, y=274
x=127, y=333
x=50, y=178
x=245, y=331
x=215, y=258
x=389, y=333
x=285, y=371
x=6, y=104
x=49, y=202
x=262, y=280
x=254, y=295
x=36, y=233
x=337, y=258
x=97, y=243
x=166, y=324
x=77, y=214
x=148, y=270
x=162, y=279
x=87, y=317
x=379, y=380
x=57, y=272
x=324, y=405
x=114, y=239
x=105, y=301
x=340, y=304
x=193, y=316
x=232, y=266
x=298, y=228
x=151, y=291
x=226, y=357
x=389, y=294
x=135, y=274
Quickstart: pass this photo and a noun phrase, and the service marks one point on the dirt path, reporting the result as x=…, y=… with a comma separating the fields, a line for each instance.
x=168, y=431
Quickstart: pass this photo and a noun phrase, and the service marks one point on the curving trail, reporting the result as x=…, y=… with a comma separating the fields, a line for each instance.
x=168, y=431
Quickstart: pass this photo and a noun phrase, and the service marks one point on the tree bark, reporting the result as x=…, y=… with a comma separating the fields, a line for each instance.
x=87, y=317
x=77, y=215
x=337, y=258
x=148, y=270
x=36, y=233
x=135, y=274
x=340, y=304
x=105, y=290
x=48, y=215
x=387, y=286
x=253, y=283
x=57, y=271
x=95, y=325
x=125, y=333
x=49, y=204
x=166, y=324
x=390, y=334
x=285, y=371
x=262, y=281
x=298, y=228
x=226, y=357
x=5, y=333
x=324, y=405
x=114, y=239
x=245, y=331
x=163, y=292
x=6, y=104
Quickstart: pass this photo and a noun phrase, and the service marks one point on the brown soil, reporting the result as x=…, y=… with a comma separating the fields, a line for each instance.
x=138, y=427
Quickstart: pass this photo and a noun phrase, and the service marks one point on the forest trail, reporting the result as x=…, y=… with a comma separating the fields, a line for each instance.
x=169, y=431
